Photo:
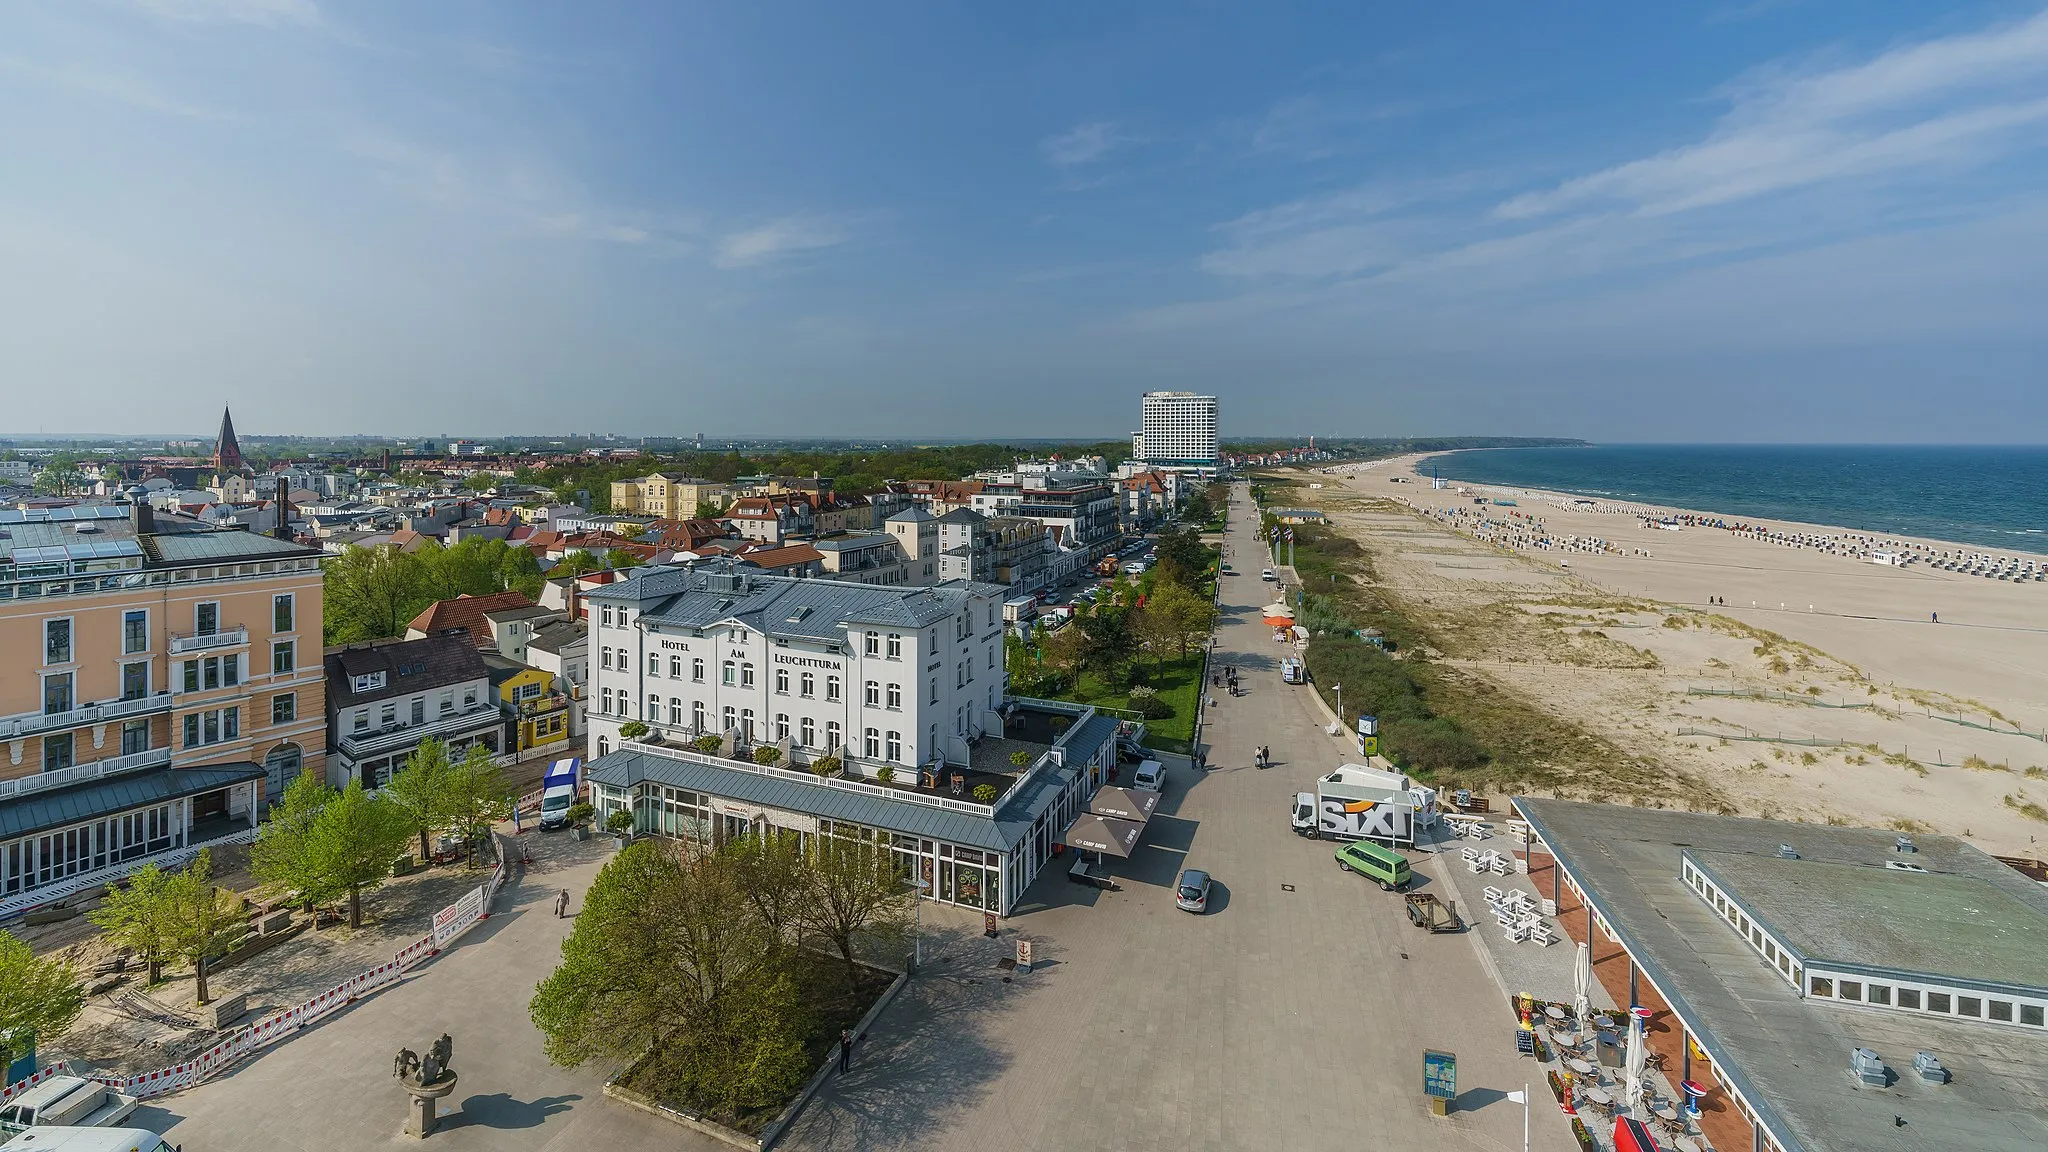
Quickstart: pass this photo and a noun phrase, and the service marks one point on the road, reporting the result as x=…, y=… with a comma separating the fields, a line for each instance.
x=1293, y=1015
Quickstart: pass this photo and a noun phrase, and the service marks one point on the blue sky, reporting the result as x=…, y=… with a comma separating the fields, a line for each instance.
x=1793, y=221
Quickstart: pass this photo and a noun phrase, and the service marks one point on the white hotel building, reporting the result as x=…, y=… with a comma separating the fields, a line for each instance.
x=911, y=679
x=1179, y=428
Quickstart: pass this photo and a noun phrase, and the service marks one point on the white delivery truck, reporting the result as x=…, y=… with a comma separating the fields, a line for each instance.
x=1360, y=803
x=44, y=1138
x=1291, y=671
x=68, y=1101
x=1020, y=609
x=558, y=791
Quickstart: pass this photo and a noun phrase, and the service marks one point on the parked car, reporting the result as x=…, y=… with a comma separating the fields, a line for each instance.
x=1191, y=893
x=1269, y=574
x=1384, y=866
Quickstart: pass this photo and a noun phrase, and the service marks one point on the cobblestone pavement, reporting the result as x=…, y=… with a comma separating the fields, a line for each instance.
x=1293, y=1015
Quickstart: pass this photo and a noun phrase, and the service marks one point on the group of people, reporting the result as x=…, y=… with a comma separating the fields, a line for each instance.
x=1227, y=677
x=1262, y=756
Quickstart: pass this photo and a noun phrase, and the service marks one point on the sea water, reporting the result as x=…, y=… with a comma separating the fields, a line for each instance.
x=1996, y=497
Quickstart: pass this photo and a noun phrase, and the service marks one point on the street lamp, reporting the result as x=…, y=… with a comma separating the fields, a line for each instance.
x=917, y=923
x=1339, y=690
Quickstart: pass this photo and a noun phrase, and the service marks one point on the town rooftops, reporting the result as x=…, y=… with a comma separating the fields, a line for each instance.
x=785, y=606
x=406, y=666
x=467, y=612
x=915, y=514
x=101, y=536
x=555, y=636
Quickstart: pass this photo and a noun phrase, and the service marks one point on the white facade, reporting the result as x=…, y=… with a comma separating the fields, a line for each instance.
x=1178, y=428
x=898, y=676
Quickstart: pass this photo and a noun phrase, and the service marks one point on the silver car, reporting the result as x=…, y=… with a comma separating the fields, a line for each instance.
x=1191, y=893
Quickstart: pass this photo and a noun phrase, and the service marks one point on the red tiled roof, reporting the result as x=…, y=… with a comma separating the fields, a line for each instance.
x=467, y=612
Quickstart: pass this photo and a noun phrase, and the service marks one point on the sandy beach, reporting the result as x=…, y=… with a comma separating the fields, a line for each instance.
x=1777, y=669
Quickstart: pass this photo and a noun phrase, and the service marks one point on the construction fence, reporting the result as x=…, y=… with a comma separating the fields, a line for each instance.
x=449, y=924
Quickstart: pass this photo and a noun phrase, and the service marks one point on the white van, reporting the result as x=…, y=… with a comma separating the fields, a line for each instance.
x=52, y=1139
x=555, y=804
x=1150, y=776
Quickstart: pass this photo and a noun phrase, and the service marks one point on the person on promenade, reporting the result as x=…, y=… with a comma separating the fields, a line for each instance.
x=561, y=904
x=845, y=1050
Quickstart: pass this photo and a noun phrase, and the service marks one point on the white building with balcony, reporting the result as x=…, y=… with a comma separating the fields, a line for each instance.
x=383, y=699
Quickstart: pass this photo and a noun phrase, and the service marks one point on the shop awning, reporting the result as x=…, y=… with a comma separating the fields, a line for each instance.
x=1131, y=804
x=1094, y=833
x=1278, y=616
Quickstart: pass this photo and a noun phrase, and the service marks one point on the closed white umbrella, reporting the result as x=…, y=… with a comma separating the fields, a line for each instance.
x=1637, y=1065
x=1582, y=986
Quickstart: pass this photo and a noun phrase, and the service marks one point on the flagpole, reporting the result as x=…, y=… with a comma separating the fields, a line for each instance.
x=1525, y=1118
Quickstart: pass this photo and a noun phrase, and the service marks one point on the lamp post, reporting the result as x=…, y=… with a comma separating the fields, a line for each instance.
x=1339, y=690
x=917, y=923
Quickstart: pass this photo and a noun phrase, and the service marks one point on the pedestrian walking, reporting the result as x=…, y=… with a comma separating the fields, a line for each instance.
x=845, y=1050
x=561, y=904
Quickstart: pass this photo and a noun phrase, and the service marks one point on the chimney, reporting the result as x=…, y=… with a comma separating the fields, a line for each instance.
x=142, y=517
x=283, y=530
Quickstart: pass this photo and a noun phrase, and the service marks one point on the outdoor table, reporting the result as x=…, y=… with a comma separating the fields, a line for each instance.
x=1665, y=1112
x=1554, y=1012
x=1604, y=1020
x=1565, y=1039
x=1685, y=1144
x=1599, y=1096
x=1579, y=1066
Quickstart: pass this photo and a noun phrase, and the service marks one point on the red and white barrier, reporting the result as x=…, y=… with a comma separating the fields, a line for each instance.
x=449, y=924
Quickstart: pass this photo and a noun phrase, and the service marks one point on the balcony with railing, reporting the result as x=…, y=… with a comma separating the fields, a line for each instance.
x=31, y=723
x=205, y=641
x=376, y=741
x=83, y=773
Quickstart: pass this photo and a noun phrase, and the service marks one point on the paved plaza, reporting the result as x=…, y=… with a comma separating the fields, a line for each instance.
x=1293, y=1015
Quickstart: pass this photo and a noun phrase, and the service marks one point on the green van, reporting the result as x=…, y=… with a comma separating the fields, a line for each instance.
x=1384, y=865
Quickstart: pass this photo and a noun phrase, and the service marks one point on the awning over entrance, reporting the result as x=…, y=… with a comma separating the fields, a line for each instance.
x=1104, y=834
x=59, y=807
x=1131, y=804
x=1279, y=616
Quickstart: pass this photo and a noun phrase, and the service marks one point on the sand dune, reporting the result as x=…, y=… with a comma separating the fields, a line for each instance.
x=1822, y=689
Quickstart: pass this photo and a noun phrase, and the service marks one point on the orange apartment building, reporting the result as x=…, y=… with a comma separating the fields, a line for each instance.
x=158, y=681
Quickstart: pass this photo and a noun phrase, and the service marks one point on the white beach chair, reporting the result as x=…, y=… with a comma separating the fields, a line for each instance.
x=1500, y=867
x=1493, y=895
x=1516, y=934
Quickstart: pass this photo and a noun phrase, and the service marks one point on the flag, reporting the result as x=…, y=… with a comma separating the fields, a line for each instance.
x=1518, y=1097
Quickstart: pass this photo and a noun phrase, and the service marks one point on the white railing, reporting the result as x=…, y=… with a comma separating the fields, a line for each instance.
x=79, y=773
x=225, y=638
x=371, y=741
x=883, y=791
x=58, y=889
x=30, y=723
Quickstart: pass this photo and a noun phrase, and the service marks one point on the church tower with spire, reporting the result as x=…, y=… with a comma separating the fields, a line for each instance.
x=227, y=454
x=230, y=472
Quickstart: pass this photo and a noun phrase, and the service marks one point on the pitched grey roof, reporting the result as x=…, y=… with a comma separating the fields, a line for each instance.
x=784, y=606
x=42, y=811
x=558, y=635
x=912, y=515
x=408, y=665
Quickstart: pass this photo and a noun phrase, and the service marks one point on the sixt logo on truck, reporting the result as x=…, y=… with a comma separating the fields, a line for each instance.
x=1368, y=819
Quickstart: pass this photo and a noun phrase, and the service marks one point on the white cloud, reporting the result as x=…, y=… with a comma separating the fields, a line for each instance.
x=264, y=13
x=778, y=240
x=1083, y=143
x=1945, y=103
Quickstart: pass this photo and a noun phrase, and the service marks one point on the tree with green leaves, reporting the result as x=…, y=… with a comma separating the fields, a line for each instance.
x=37, y=997
x=201, y=920
x=423, y=791
x=669, y=962
x=620, y=558
x=858, y=889
x=371, y=593
x=480, y=797
x=1181, y=616
x=134, y=916
x=576, y=562
x=776, y=879
x=281, y=854
x=344, y=845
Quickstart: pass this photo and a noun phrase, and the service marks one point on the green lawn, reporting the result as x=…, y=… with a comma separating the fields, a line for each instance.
x=1179, y=683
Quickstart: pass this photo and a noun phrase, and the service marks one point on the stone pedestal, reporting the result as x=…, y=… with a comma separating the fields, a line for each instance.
x=422, y=1114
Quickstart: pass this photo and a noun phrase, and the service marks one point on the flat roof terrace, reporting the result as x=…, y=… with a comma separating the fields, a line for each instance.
x=1787, y=1056
x=1936, y=925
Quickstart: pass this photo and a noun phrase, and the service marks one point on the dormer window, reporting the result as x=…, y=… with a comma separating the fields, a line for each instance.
x=367, y=682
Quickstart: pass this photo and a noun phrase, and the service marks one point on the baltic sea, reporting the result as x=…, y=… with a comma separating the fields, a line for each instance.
x=1995, y=497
